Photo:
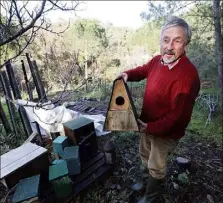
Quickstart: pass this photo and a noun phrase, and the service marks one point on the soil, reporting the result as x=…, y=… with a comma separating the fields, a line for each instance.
x=200, y=183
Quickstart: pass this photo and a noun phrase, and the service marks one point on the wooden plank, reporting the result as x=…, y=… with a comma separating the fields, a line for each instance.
x=31, y=137
x=121, y=121
x=89, y=171
x=15, y=154
x=18, y=157
x=92, y=161
x=94, y=177
x=82, y=108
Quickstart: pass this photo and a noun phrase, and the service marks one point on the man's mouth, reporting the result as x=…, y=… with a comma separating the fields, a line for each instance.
x=169, y=55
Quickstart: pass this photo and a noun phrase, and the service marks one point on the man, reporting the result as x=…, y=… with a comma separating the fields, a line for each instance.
x=171, y=89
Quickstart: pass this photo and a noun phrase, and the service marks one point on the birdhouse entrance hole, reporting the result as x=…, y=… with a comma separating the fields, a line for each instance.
x=120, y=100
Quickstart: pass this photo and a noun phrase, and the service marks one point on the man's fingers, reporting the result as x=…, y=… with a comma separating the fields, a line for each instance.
x=124, y=76
x=141, y=123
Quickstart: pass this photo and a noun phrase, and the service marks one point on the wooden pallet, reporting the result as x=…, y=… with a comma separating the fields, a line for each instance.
x=94, y=170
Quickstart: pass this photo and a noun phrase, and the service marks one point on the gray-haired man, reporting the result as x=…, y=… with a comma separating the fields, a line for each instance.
x=171, y=89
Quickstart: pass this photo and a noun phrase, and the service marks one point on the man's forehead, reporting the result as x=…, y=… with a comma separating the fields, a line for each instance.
x=175, y=31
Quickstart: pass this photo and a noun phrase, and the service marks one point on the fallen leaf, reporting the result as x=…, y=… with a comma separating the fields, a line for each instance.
x=210, y=199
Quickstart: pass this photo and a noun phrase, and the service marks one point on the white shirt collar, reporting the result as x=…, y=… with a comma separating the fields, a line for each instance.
x=170, y=66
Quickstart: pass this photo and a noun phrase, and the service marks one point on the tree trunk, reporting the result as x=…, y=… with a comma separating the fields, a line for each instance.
x=218, y=39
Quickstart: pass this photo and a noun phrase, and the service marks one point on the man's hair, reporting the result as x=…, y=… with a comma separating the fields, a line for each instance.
x=173, y=21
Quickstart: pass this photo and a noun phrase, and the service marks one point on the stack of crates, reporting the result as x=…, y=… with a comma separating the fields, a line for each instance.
x=61, y=169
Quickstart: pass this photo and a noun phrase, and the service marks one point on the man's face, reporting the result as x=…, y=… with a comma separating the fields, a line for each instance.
x=173, y=43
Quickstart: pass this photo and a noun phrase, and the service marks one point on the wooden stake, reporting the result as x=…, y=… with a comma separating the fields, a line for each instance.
x=27, y=81
x=36, y=78
x=39, y=83
x=6, y=88
x=4, y=119
x=17, y=95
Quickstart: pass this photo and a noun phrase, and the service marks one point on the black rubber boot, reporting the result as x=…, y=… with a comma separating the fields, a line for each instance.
x=152, y=189
x=140, y=186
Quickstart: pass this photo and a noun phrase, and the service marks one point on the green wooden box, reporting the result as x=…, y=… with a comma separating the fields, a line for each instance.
x=58, y=176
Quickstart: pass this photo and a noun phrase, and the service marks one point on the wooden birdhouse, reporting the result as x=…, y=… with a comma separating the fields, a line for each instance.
x=121, y=114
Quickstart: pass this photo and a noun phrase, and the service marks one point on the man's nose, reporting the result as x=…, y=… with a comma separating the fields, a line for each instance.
x=170, y=45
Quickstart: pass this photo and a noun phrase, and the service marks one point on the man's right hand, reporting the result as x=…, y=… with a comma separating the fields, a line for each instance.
x=124, y=76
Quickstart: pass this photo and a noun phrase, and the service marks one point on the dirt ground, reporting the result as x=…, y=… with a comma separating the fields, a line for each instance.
x=201, y=183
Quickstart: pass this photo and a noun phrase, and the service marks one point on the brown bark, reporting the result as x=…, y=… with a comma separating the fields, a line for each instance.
x=218, y=39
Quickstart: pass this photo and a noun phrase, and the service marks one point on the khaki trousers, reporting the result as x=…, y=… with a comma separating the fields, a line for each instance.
x=154, y=152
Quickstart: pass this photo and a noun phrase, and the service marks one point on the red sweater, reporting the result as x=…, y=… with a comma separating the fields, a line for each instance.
x=169, y=96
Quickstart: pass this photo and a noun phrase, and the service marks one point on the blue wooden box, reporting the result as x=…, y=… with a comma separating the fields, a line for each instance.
x=71, y=155
x=59, y=144
x=27, y=190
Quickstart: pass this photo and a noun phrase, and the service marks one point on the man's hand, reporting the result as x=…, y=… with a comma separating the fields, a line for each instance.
x=142, y=126
x=124, y=76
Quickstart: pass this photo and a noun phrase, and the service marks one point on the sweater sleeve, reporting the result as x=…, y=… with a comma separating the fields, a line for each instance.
x=180, y=115
x=140, y=72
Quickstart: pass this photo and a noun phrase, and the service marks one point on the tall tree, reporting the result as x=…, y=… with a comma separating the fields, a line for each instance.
x=218, y=38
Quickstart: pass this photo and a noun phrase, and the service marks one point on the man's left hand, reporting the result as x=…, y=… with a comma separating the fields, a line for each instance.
x=142, y=126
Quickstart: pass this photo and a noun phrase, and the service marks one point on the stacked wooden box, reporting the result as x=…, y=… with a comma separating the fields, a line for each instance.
x=81, y=132
x=79, y=164
x=58, y=176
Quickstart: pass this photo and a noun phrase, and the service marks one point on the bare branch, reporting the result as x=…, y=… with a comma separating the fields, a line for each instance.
x=19, y=26
x=18, y=14
x=64, y=6
x=28, y=42
x=51, y=31
x=28, y=27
